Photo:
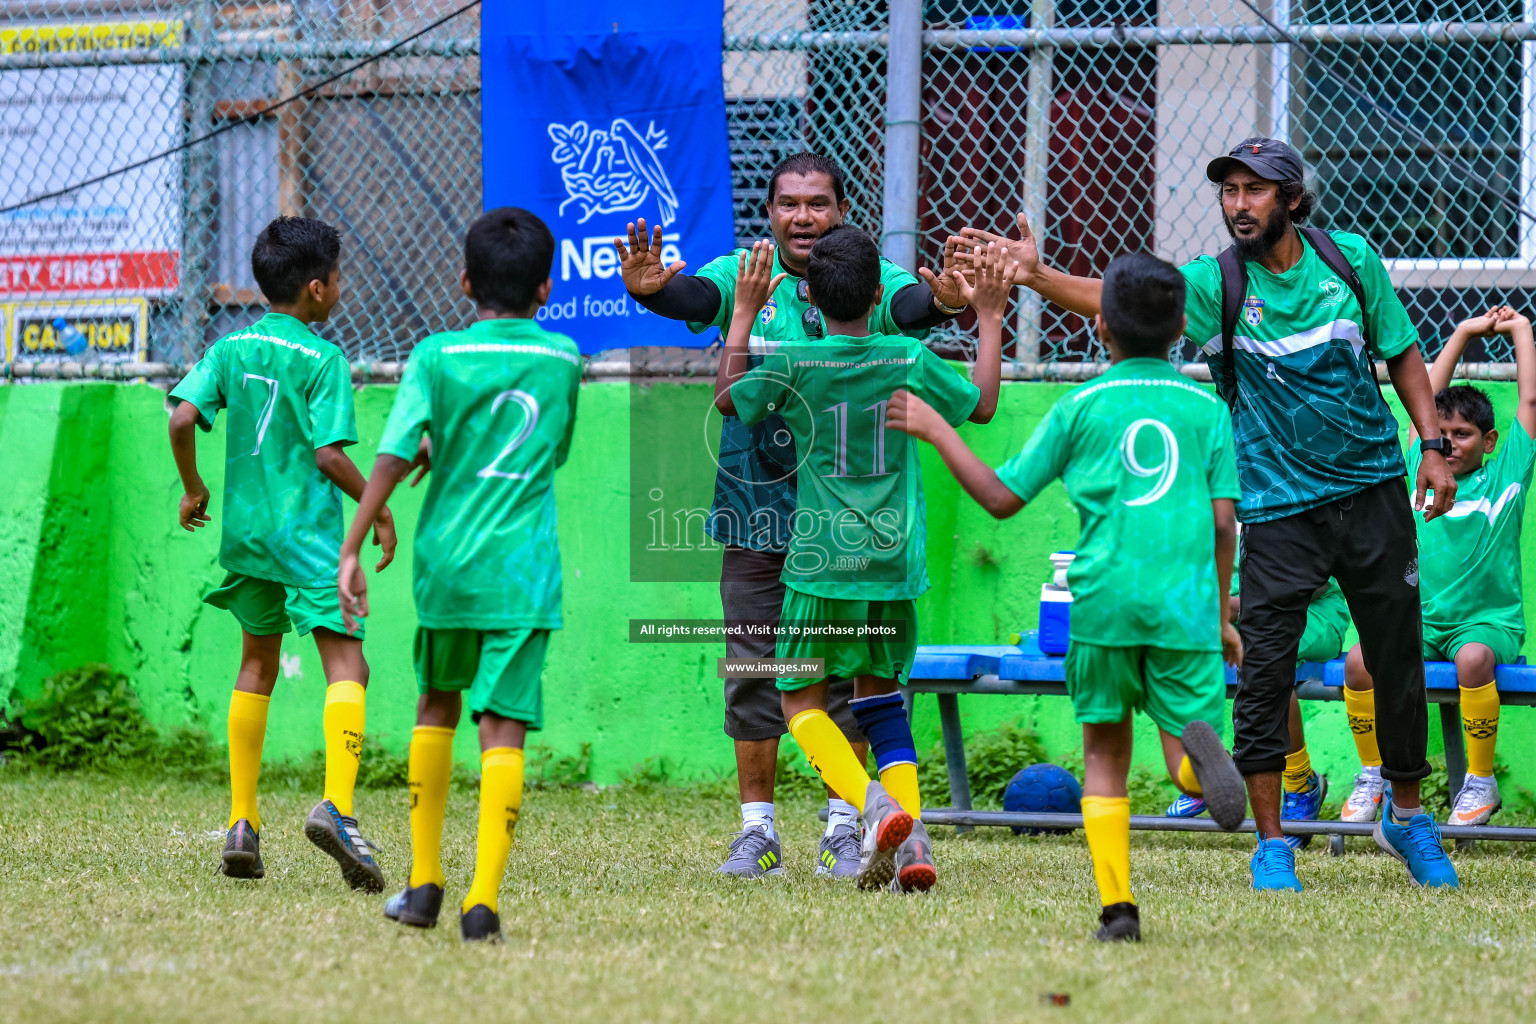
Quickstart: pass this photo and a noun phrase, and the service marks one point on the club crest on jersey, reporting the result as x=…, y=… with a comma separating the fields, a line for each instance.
x=767, y=313
x=1253, y=311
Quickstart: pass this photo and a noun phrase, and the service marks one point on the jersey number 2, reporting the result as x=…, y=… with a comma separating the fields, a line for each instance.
x=530, y=407
x=1166, y=468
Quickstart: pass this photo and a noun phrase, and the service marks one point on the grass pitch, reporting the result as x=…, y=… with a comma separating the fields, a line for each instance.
x=110, y=910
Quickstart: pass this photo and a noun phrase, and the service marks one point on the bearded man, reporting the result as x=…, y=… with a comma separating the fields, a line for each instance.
x=1320, y=466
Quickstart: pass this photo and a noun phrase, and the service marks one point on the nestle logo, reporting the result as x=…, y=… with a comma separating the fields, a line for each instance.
x=597, y=257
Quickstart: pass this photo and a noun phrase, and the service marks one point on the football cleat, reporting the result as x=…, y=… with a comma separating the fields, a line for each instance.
x=242, y=852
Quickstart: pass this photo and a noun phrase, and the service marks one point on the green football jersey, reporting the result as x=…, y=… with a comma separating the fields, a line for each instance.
x=288, y=392
x=1469, y=558
x=755, y=483
x=1142, y=453
x=859, y=528
x=499, y=401
x=1310, y=422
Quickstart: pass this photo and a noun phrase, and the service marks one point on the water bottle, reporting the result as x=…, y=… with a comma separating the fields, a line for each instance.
x=1056, y=606
x=70, y=338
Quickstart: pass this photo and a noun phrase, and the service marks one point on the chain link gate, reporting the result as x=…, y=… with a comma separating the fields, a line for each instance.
x=1095, y=117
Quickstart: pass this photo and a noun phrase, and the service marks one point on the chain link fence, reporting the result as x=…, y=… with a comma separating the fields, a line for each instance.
x=1095, y=117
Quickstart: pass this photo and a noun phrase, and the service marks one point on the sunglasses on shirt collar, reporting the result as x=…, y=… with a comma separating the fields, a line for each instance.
x=810, y=320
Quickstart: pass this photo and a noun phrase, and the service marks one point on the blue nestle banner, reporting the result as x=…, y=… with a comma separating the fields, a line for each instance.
x=595, y=114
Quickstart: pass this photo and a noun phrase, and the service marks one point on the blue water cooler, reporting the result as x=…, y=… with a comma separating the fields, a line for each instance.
x=1056, y=606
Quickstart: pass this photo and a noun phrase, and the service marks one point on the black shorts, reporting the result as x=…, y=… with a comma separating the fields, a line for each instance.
x=751, y=591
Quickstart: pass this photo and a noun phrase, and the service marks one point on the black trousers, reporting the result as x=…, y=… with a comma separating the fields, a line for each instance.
x=1367, y=542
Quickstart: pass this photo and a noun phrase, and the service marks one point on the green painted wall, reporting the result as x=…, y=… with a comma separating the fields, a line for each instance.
x=93, y=567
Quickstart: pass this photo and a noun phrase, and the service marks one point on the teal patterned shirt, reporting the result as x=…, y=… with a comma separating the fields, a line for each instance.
x=1310, y=422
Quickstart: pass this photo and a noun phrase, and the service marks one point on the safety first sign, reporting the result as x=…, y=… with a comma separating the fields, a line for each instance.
x=63, y=126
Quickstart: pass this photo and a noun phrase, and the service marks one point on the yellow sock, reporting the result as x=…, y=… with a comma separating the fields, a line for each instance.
x=501, y=796
x=1185, y=779
x=1298, y=770
x=430, y=767
x=900, y=780
x=830, y=754
x=1360, y=705
x=1107, y=822
x=1480, y=725
x=247, y=732
x=343, y=724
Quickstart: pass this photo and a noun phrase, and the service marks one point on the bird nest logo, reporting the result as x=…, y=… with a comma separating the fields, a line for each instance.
x=612, y=170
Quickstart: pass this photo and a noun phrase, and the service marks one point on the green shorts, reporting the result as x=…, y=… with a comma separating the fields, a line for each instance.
x=887, y=658
x=265, y=607
x=501, y=668
x=1320, y=642
x=1174, y=688
x=1442, y=644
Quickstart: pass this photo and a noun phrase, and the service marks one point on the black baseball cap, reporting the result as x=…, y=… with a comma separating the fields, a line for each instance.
x=1270, y=159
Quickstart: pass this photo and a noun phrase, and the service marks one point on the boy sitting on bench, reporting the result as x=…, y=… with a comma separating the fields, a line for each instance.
x=1469, y=569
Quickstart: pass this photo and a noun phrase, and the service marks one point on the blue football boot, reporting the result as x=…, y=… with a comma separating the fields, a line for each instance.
x=1185, y=806
x=1416, y=842
x=1304, y=806
x=1274, y=866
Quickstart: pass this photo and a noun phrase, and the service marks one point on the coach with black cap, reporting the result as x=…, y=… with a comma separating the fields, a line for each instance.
x=1289, y=319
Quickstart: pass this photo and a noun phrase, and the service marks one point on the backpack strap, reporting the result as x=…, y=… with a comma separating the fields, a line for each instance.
x=1328, y=251
x=1234, y=288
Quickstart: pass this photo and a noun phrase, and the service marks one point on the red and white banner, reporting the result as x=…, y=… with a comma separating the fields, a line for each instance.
x=115, y=273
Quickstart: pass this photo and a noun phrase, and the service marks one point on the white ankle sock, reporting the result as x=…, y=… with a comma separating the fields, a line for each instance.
x=758, y=815
x=1401, y=814
x=840, y=812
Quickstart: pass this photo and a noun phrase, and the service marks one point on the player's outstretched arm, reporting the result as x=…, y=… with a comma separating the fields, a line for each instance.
x=194, y=497
x=351, y=584
x=1224, y=511
x=1444, y=366
x=337, y=466
x=911, y=415
x=994, y=273
x=755, y=282
x=1518, y=327
x=1079, y=294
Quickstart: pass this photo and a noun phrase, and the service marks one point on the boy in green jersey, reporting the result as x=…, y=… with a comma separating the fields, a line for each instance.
x=497, y=405
x=1469, y=569
x=855, y=564
x=1147, y=458
x=289, y=396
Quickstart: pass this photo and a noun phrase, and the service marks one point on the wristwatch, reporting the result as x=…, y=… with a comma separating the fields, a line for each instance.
x=1438, y=444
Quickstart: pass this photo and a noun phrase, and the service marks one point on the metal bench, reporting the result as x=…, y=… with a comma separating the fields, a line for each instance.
x=948, y=670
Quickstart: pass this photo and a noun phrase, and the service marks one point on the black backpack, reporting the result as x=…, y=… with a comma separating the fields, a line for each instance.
x=1234, y=290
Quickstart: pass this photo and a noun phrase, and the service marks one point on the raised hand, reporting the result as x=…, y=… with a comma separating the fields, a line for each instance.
x=994, y=274
x=755, y=279
x=1021, y=250
x=943, y=283
x=1508, y=321
x=640, y=266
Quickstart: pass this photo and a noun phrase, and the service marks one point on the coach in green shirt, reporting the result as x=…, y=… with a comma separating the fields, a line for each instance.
x=755, y=482
x=1321, y=471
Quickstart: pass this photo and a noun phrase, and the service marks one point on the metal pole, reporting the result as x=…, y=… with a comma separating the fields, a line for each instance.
x=1037, y=154
x=903, y=97
x=199, y=186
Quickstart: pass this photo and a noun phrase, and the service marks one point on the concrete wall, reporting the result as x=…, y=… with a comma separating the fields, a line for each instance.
x=94, y=568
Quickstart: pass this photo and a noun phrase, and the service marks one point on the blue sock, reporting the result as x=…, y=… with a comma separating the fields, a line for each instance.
x=883, y=720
